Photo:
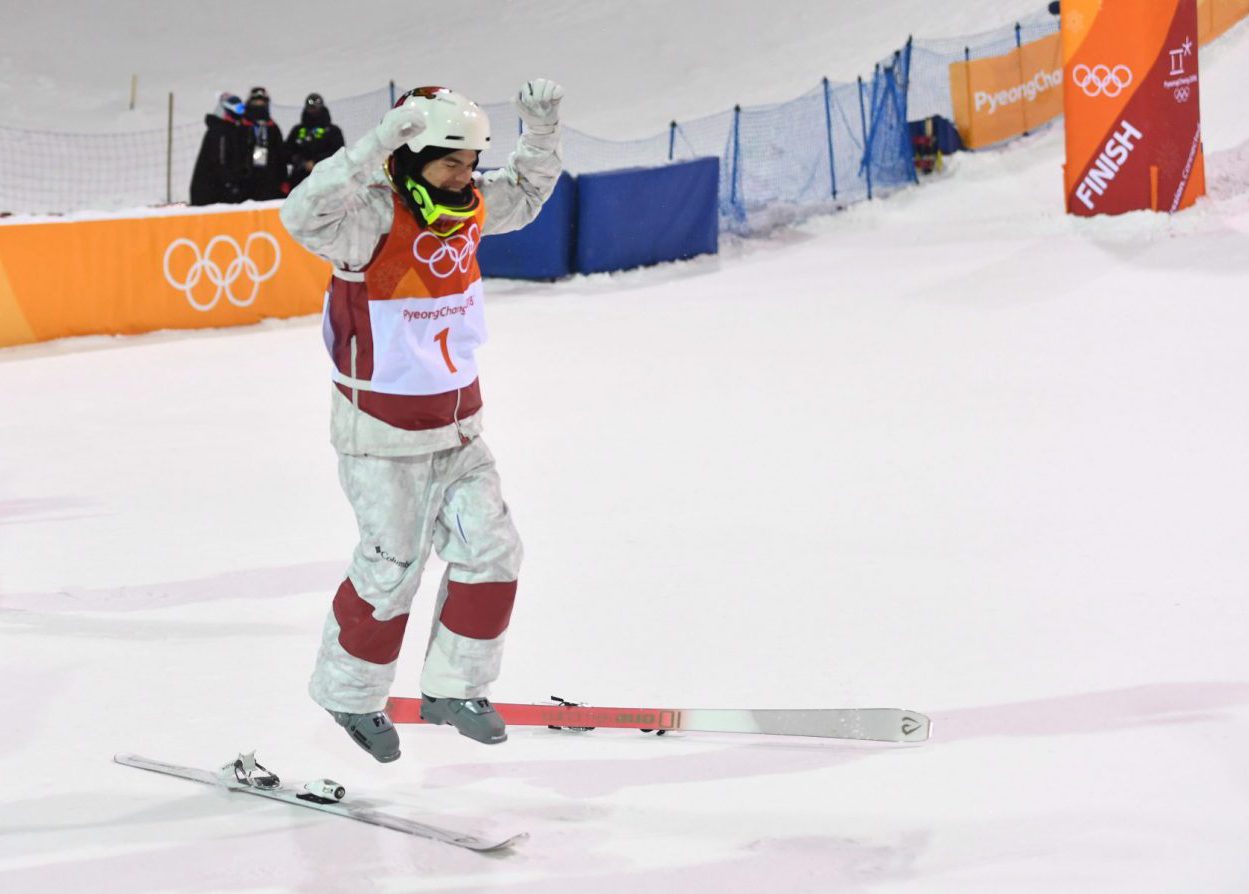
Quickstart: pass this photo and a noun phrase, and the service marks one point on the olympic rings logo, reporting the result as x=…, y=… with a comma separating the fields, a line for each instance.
x=446, y=256
x=205, y=266
x=1102, y=80
x=1181, y=94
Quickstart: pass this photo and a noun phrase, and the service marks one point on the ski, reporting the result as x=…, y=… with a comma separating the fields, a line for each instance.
x=245, y=775
x=871, y=724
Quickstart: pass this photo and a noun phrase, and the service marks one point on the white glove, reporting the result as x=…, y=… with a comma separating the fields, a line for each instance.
x=537, y=103
x=401, y=125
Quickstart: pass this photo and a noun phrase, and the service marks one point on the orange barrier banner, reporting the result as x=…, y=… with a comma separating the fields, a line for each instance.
x=1216, y=16
x=1000, y=97
x=1133, y=124
x=176, y=269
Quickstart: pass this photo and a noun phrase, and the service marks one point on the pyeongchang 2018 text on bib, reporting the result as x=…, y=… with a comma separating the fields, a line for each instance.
x=426, y=345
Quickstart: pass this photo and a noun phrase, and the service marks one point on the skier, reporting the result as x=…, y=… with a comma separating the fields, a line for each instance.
x=314, y=139
x=400, y=215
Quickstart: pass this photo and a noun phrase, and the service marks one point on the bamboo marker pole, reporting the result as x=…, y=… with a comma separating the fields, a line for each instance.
x=169, y=155
x=134, y=89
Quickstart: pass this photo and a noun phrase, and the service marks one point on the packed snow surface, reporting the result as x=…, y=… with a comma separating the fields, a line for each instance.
x=953, y=451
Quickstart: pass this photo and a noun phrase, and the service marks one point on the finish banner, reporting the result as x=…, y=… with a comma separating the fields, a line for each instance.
x=999, y=97
x=1133, y=122
x=174, y=269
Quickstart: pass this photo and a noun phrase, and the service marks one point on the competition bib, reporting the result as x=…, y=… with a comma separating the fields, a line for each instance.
x=426, y=345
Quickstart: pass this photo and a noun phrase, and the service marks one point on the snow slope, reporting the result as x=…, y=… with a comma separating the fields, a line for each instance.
x=953, y=451
x=629, y=68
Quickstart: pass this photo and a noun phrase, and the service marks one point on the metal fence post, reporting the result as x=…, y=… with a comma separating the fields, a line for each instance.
x=971, y=122
x=828, y=126
x=169, y=155
x=1023, y=100
x=867, y=146
x=737, y=132
x=902, y=80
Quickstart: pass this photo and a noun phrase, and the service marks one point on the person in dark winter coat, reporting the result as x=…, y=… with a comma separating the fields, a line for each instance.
x=223, y=166
x=315, y=138
x=268, y=154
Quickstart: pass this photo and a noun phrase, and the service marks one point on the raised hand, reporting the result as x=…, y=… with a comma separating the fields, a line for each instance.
x=537, y=103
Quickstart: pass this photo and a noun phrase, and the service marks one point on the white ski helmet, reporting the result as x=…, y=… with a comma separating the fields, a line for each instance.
x=452, y=120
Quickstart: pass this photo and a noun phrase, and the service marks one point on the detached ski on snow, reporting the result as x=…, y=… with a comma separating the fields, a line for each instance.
x=242, y=776
x=871, y=724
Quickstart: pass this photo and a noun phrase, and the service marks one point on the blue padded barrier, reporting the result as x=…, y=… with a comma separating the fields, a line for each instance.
x=645, y=216
x=541, y=250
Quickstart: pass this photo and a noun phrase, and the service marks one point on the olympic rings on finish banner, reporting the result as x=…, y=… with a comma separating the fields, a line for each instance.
x=205, y=267
x=1102, y=80
x=1181, y=94
x=445, y=256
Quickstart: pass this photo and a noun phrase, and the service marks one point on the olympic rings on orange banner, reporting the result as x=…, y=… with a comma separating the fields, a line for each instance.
x=204, y=267
x=1102, y=80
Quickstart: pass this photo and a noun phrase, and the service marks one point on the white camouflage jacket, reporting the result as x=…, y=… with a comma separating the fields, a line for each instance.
x=344, y=208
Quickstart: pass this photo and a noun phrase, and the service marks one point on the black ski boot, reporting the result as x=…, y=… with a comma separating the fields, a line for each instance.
x=473, y=717
x=373, y=732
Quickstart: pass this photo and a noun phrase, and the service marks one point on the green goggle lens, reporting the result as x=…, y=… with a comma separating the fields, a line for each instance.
x=432, y=212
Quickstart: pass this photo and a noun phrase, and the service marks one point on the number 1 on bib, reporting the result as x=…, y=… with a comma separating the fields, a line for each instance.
x=441, y=338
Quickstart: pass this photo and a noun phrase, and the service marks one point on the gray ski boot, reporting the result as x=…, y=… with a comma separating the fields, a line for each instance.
x=473, y=717
x=373, y=732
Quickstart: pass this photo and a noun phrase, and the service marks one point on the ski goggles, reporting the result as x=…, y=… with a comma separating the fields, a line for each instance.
x=442, y=219
x=233, y=104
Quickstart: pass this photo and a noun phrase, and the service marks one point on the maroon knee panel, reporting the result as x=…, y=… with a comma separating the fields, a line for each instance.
x=478, y=611
x=362, y=635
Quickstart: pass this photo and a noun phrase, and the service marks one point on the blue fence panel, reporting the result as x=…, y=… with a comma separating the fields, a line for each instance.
x=781, y=163
x=648, y=215
x=849, y=142
x=543, y=249
x=889, y=156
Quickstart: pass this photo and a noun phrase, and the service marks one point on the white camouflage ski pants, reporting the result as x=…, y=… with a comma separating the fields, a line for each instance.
x=450, y=500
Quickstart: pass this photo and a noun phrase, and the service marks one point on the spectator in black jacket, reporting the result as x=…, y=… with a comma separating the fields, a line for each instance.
x=268, y=154
x=315, y=138
x=223, y=166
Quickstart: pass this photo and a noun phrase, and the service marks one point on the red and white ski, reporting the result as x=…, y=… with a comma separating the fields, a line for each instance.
x=871, y=724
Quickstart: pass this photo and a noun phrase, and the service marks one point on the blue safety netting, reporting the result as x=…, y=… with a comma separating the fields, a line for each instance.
x=836, y=144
